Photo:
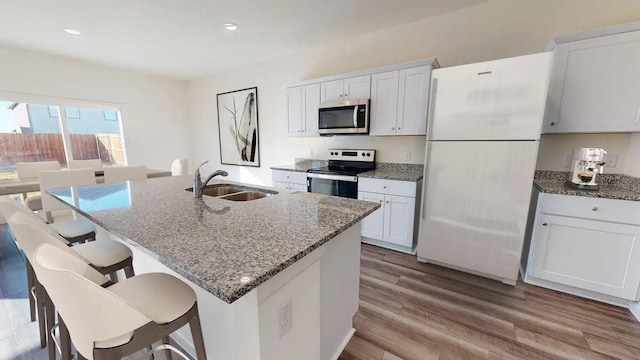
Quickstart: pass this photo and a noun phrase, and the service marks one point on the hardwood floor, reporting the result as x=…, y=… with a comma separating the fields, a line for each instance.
x=410, y=310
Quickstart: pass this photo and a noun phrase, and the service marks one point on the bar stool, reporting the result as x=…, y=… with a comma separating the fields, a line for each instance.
x=124, y=173
x=93, y=164
x=73, y=230
x=117, y=321
x=106, y=256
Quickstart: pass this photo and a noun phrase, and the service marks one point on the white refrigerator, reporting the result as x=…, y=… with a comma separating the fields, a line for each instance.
x=482, y=143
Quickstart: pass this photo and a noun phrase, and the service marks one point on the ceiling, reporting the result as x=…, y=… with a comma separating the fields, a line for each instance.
x=185, y=39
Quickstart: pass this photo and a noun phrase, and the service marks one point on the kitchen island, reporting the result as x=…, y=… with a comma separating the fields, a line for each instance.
x=276, y=277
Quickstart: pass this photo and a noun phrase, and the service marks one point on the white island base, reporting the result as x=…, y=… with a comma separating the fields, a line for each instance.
x=322, y=290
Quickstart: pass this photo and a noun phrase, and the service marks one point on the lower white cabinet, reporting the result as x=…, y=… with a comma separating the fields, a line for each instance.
x=393, y=224
x=574, y=250
x=289, y=180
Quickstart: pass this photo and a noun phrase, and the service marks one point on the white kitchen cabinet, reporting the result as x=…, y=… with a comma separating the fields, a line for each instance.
x=586, y=246
x=393, y=225
x=595, y=85
x=399, y=102
x=289, y=180
x=358, y=87
x=302, y=109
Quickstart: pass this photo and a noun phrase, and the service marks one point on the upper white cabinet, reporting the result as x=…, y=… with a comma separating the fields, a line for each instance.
x=399, y=102
x=358, y=87
x=595, y=86
x=302, y=109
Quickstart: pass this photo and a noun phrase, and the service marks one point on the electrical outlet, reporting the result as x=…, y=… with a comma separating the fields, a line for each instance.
x=610, y=160
x=286, y=317
x=407, y=155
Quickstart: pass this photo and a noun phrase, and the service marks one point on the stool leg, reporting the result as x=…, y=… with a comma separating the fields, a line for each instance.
x=30, y=286
x=128, y=270
x=196, y=333
x=42, y=322
x=65, y=340
x=165, y=340
x=114, y=277
x=51, y=319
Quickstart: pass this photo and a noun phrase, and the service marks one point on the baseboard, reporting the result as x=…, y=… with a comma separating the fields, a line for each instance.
x=587, y=294
x=386, y=245
x=343, y=344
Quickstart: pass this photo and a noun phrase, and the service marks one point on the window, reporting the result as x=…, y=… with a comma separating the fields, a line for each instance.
x=53, y=111
x=72, y=112
x=111, y=115
x=33, y=132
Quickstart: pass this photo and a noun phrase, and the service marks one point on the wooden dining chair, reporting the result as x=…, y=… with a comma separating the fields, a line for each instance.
x=124, y=173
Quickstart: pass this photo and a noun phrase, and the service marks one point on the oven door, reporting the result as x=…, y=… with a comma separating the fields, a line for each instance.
x=335, y=185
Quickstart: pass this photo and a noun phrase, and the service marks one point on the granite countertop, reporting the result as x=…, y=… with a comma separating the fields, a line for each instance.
x=387, y=171
x=611, y=186
x=228, y=248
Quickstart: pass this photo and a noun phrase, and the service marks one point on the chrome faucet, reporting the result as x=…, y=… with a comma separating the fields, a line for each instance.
x=198, y=185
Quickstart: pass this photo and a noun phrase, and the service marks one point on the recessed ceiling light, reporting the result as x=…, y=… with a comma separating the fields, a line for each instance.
x=72, y=31
x=231, y=26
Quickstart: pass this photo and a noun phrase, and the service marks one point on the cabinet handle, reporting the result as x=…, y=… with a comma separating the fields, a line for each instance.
x=380, y=201
x=387, y=201
x=553, y=124
x=384, y=187
x=399, y=128
x=340, y=95
x=595, y=208
x=544, y=224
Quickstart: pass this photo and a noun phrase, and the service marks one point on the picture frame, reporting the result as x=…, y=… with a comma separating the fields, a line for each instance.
x=238, y=130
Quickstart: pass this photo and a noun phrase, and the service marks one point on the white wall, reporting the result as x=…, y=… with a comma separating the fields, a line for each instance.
x=153, y=108
x=496, y=29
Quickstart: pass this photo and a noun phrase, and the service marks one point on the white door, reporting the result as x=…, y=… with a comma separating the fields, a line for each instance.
x=358, y=87
x=412, y=100
x=311, y=102
x=476, y=203
x=591, y=255
x=372, y=225
x=384, y=103
x=601, y=90
x=398, y=220
x=294, y=110
x=332, y=91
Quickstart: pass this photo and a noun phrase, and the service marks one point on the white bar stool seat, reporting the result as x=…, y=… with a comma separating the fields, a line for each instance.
x=31, y=170
x=104, y=253
x=73, y=228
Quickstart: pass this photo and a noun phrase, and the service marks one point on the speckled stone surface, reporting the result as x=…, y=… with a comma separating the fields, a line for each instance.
x=214, y=242
x=612, y=186
x=388, y=171
x=393, y=171
x=303, y=165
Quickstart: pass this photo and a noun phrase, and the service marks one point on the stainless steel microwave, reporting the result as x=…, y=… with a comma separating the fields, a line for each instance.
x=347, y=117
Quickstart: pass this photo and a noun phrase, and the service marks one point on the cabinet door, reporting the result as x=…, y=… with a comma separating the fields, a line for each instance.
x=294, y=110
x=372, y=225
x=384, y=103
x=280, y=185
x=412, y=101
x=311, y=102
x=591, y=255
x=332, y=91
x=357, y=87
x=298, y=187
x=398, y=220
x=599, y=86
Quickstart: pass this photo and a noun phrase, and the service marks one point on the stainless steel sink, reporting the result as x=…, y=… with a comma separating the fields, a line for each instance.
x=235, y=193
x=246, y=196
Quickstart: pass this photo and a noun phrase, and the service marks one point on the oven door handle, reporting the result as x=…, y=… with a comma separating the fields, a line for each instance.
x=333, y=177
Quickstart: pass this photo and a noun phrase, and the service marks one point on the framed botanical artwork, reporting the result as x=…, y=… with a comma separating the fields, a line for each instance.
x=238, y=127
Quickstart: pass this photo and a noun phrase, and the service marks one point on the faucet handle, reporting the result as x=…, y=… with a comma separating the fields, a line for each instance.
x=198, y=168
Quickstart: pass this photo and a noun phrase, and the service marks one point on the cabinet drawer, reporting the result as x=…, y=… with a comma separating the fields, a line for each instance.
x=295, y=177
x=389, y=187
x=618, y=211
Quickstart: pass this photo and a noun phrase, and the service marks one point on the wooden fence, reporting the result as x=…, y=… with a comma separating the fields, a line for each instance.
x=16, y=147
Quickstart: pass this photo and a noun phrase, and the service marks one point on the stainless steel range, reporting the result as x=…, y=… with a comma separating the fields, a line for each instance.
x=340, y=177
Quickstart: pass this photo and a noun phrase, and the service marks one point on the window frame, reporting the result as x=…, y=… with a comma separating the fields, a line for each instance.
x=54, y=111
x=66, y=112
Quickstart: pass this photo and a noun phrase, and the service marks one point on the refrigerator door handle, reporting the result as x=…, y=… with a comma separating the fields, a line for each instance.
x=425, y=176
x=432, y=106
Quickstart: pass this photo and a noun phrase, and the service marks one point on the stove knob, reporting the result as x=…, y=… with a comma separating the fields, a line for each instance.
x=362, y=154
x=368, y=154
x=332, y=153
